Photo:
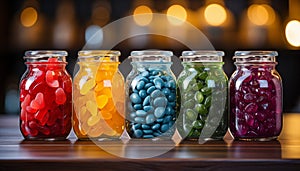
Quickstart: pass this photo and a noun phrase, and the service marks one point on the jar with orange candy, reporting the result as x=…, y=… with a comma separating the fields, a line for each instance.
x=98, y=96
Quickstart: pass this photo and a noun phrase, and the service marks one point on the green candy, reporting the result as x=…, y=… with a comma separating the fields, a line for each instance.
x=197, y=124
x=199, y=97
x=202, y=75
x=207, y=101
x=191, y=115
x=206, y=90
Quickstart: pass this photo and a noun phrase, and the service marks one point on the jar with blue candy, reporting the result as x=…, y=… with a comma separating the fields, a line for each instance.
x=202, y=96
x=150, y=95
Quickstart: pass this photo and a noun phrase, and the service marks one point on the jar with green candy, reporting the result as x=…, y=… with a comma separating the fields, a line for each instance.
x=202, y=96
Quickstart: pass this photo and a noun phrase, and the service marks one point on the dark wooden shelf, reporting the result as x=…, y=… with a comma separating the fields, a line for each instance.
x=19, y=154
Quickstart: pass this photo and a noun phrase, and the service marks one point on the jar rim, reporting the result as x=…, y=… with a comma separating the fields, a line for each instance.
x=36, y=54
x=202, y=56
x=245, y=54
x=98, y=53
x=151, y=53
x=255, y=56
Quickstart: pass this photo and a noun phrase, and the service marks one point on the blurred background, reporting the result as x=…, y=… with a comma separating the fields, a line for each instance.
x=229, y=25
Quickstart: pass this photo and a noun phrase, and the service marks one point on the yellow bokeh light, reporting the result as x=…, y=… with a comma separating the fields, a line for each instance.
x=28, y=17
x=178, y=12
x=258, y=14
x=292, y=31
x=145, y=19
x=215, y=14
x=271, y=14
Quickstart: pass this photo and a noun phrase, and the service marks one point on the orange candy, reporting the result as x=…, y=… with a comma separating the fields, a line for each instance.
x=95, y=97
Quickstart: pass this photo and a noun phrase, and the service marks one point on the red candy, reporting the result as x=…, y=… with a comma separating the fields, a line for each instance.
x=255, y=103
x=45, y=100
x=60, y=96
x=50, y=79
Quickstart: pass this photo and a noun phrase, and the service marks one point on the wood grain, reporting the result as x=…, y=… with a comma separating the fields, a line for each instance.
x=71, y=154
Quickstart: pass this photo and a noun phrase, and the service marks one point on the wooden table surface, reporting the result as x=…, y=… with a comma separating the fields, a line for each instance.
x=18, y=154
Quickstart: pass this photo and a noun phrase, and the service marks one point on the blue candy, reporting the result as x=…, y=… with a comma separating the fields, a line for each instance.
x=135, y=98
x=159, y=112
x=142, y=93
x=138, y=133
x=150, y=119
x=148, y=136
x=140, y=85
x=148, y=85
x=160, y=120
x=145, y=73
x=137, y=106
x=139, y=120
x=132, y=115
x=164, y=127
x=141, y=113
x=145, y=126
x=152, y=103
x=136, y=126
x=156, y=126
x=146, y=101
x=166, y=91
x=160, y=101
x=150, y=89
x=169, y=110
x=156, y=93
x=158, y=82
x=167, y=119
x=148, y=131
x=171, y=97
x=149, y=109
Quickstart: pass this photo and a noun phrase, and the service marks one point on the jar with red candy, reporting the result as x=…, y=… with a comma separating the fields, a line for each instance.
x=255, y=96
x=45, y=96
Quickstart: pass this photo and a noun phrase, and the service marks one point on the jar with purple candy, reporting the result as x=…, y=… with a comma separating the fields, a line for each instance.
x=255, y=96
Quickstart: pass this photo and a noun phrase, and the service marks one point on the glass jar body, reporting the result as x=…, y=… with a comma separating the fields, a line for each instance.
x=98, y=100
x=255, y=101
x=150, y=100
x=46, y=100
x=202, y=98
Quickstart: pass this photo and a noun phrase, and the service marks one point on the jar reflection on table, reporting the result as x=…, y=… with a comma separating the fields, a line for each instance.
x=255, y=96
x=202, y=96
x=98, y=95
x=150, y=95
x=45, y=96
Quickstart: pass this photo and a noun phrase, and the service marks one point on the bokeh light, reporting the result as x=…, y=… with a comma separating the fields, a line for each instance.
x=142, y=20
x=215, y=14
x=94, y=35
x=29, y=17
x=261, y=14
x=292, y=31
x=178, y=12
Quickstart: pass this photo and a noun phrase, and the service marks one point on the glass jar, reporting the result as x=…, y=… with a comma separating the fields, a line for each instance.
x=202, y=96
x=46, y=96
x=255, y=96
x=98, y=95
x=150, y=95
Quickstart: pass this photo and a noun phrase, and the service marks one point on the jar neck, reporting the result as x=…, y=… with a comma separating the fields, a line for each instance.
x=215, y=65
x=97, y=56
x=161, y=65
x=260, y=66
x=46, y=65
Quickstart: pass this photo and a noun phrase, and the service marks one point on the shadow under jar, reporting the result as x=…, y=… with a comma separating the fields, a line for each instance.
x=150, y=95
x=202, y=96
x=255, y=96
x=45, y=96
